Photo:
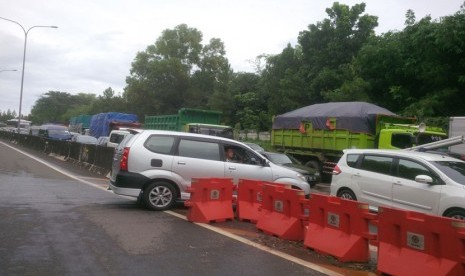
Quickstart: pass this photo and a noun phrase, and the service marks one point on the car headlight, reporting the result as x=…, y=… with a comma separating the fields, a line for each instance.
x=302, y=177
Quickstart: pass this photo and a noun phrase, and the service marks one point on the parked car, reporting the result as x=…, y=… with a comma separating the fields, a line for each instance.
x=51, y=131
x=412, y=180
x=158, y=166
x=255, y=147
x=86, y=139
x=102, y=141
x=116, y=136
x=312, y=175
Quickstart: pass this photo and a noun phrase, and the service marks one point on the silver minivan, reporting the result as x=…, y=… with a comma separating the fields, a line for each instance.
x=158, y=166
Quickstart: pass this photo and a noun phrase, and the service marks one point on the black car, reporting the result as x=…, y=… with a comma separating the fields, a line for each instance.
x=312, y=176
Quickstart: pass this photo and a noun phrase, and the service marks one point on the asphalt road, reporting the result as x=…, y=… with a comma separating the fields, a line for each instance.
x=64, y=222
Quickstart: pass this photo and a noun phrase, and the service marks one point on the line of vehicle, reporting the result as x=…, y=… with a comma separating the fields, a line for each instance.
x=288, y=257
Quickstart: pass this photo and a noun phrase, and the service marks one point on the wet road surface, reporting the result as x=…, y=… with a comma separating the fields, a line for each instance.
x=56, y=223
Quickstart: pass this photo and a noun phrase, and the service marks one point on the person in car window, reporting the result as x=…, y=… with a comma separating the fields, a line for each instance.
x=230, y=156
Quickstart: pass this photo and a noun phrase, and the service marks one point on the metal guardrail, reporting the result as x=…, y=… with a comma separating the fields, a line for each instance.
x=98, y=158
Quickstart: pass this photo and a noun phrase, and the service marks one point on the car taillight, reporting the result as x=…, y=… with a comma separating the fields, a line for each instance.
x=123, y=164
x=336, y=170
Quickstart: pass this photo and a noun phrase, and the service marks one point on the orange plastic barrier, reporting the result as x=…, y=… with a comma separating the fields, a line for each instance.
x=283, y=212
x=339, y=228
x=211, y=200
x=412, y=243
x=249, y=199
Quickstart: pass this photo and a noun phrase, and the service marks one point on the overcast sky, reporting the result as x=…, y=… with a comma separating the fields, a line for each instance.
x=96, y=41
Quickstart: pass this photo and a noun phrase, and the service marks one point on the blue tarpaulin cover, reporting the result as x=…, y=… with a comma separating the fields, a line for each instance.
x=353, y=116
x=100, y=123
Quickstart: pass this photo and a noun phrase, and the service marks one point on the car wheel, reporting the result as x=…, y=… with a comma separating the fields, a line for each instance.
x=346, y=194
x=159, y=196
x=456, y=214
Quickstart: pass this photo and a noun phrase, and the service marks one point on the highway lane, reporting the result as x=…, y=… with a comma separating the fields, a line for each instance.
x=56, y=222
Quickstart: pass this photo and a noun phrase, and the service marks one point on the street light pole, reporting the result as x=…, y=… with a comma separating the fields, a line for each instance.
x=24, y=63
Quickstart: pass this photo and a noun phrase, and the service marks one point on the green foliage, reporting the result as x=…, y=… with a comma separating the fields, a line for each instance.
x=418, y=72
x=7, y=115
x=178, y=71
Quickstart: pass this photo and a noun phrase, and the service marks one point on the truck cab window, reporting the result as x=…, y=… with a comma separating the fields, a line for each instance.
x=401, y=140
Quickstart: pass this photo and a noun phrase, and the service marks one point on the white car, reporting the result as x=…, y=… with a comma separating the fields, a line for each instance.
x=425, y=182
x=86, y=139
x=158, y=166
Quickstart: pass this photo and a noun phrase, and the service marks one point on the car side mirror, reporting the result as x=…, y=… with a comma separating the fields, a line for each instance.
x=424, y=179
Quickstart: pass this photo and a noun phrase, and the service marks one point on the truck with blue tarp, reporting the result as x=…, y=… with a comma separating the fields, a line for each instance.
x=103, y=123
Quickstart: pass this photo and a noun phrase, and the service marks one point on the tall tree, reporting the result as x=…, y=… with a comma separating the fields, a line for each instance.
x=177, y=71
x=283, y=81
x=333, y=43
x=50, y=107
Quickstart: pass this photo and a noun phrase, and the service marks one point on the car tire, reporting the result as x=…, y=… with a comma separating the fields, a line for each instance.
x=346, y=194
x=159, y=196
x=456, y=214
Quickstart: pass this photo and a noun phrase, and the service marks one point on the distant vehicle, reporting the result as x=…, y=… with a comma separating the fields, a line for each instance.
x=115, y=137
x=312, y=175
x=86, y=139
x=102, y=141
x=24, y=125
x=191, y=120
x=411, y=180
x=317, y=134
x=51, y=131
x=103, y=123
x=158, y=166
x=255, y=147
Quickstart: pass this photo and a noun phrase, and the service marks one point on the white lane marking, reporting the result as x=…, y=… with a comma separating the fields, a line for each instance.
x=56, y=168
x=206, y=226
x=265, y=248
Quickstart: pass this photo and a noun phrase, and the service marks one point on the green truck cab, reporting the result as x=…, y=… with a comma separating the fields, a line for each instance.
x=317, y=134
x=191, y=120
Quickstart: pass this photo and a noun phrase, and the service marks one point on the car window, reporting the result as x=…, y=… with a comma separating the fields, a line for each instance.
x=123, y=143
x=352, y=160
x=199, y=149
x=453, y=169
x=117, y=137
x=243, y=155
x=378, y=164
x=160, y=144
x=409, y=169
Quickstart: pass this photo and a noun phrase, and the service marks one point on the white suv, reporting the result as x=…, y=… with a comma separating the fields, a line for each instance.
x=158, y=166
x=418, y=181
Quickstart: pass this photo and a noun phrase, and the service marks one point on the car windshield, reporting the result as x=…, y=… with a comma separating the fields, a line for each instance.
x=453, y=169
x=279, y=158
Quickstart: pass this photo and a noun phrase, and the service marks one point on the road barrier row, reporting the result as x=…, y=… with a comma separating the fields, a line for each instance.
x=97, y=158
x=409, y=243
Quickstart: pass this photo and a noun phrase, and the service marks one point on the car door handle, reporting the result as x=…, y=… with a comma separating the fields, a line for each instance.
x=398, y=183
x=232, y=168
x=181, y=163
